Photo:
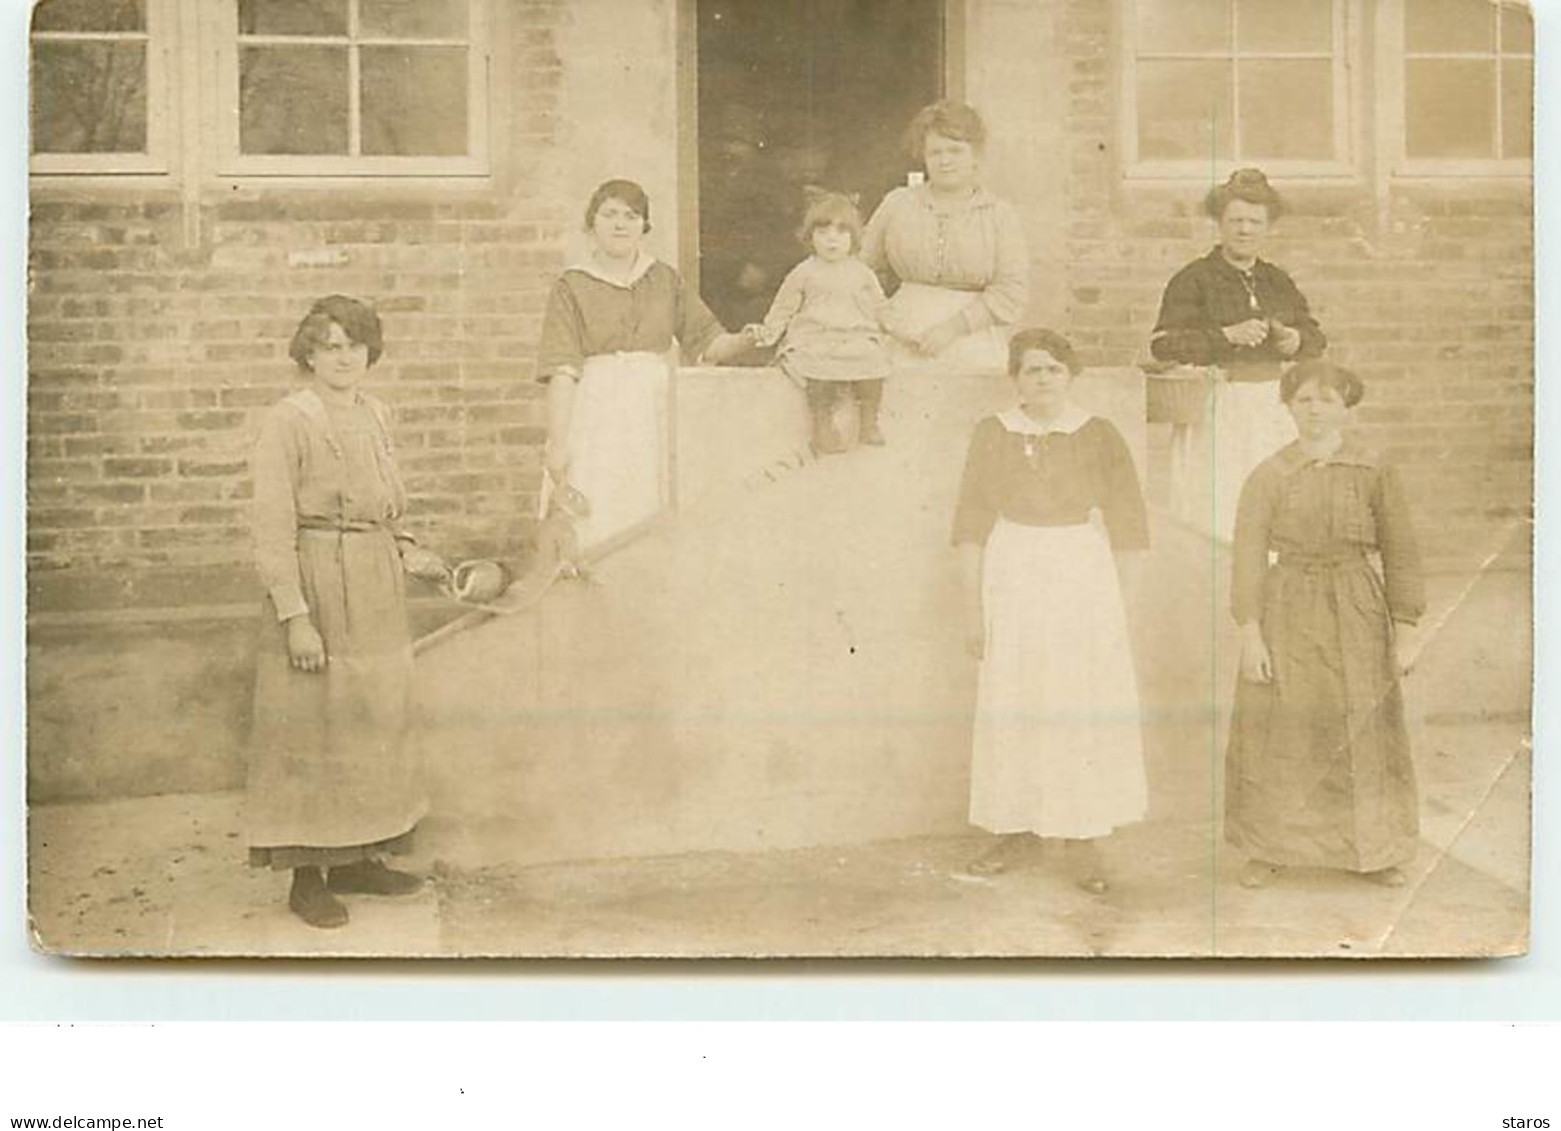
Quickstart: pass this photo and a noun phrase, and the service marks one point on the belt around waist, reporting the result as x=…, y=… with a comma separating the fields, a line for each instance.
x=1312, y=563
x=343, y=528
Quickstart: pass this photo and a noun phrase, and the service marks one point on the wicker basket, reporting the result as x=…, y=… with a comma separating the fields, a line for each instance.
x=1177, y=397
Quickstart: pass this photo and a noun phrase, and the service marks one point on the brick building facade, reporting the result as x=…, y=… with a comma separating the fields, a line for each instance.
x=163, y=289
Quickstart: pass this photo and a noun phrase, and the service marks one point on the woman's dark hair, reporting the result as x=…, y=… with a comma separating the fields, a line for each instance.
x=1249, y=185
x=1327, y=375
x=1036, y=338
x=825, y=208
x=951, y=119
x=356, y=318
x=625, y=192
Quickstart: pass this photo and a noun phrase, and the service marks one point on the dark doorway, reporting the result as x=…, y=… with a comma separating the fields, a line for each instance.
x=795, y=93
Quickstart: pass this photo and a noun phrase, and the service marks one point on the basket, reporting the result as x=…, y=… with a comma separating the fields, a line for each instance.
x=1178, y=397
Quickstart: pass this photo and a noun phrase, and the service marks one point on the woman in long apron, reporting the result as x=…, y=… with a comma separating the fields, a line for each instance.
x=610, y=326
x=1050, y=515
x=1241, y=319
x=334, y=782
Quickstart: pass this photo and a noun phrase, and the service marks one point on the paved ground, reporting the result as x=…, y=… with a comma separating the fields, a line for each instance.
x=166, y=874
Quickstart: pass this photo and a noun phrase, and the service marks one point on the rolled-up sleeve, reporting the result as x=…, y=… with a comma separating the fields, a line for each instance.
x=562, y=349
x=696, y=327
x=1004, y=299
x=275, y=467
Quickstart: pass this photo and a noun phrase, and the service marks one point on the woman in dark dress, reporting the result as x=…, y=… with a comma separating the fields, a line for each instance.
x=1326, y=588
x=1244, y=319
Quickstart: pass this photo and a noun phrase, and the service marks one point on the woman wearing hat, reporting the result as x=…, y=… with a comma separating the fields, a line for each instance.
x=1244, y=317
x=1326, y=588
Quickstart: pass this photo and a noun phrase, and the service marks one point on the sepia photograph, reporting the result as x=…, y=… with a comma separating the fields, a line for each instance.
x=780, y=478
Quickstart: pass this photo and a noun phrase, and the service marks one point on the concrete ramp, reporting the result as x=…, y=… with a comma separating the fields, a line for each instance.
x=779, y=664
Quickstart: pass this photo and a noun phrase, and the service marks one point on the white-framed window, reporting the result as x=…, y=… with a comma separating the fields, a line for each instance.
x=197, y=89
x=1215, y=83
x=100, y=86
x=353, y=88
x=1462, y=77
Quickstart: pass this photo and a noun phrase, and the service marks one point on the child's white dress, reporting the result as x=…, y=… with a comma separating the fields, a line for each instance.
x=825, y=316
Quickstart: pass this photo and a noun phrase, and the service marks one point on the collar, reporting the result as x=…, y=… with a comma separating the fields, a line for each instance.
x=1016, y=420
x=979, y=198
x=1218, y=257
x=642, y=264
x=1351, y=453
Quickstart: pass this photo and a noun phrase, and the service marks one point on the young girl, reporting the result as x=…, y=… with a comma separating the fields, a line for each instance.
x=1318, y=771
x=1058, y=750
x=333, y=781
x=826, y=317
x=610, y=323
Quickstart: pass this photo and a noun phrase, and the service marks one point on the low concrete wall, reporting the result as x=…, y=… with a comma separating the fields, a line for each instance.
x=780, y=666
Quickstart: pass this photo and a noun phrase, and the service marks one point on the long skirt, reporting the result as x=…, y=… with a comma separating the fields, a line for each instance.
x=916, y=307
x=618, y=444
x=1318, y=770
x=333, y=774
x=1058, y=744
x=1243, y=423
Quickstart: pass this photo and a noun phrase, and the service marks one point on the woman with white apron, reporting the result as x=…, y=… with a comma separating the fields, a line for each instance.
x=606, y=357
x=1230, y=321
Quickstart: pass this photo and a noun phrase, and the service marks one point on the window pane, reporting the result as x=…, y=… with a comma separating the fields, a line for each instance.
x=414, y=101
x=413, y=19
x=1449, y=25
x=292, y=17
x=89, y=97
x=90, y=15
x=1517, y=30
x=1184, y=110
x=1450, y=108
x=1517, y=108
x=1287, y=109
x=1169, y=26
x=1284, y=25
x=293, y=100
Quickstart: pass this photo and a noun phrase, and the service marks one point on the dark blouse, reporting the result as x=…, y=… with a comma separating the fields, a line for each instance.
x=1342, y=508
x=1054, y=479
x=1209, y=294
x=587, y=315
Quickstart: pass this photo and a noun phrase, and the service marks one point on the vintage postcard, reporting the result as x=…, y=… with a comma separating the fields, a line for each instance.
x=875, y=478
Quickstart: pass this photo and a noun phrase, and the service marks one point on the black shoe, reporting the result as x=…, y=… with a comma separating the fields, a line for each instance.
x=312, y=903
x=370, y=877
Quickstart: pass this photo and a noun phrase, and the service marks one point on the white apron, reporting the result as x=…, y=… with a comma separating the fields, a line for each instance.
x=618, y=444
x=1244, y=422
x=1058, y=744
x=917, y=306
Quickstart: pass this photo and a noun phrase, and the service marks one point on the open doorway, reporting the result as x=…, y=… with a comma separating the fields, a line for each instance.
x=793, y=93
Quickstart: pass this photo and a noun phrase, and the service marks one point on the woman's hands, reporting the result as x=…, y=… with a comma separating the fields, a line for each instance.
x=1287, y=339
x=305, y=646
x=939, y=336
x=1252, y=332
x=424, y=564
x=1257, y=666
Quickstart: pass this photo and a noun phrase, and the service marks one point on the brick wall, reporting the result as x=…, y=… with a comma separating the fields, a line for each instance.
x=158, y=337
x=1428, y=294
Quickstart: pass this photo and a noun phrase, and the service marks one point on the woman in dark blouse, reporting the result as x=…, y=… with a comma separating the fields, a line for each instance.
x=1237, y=312
x=1049, y=494
x=610, y=324
x=1326, y=588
